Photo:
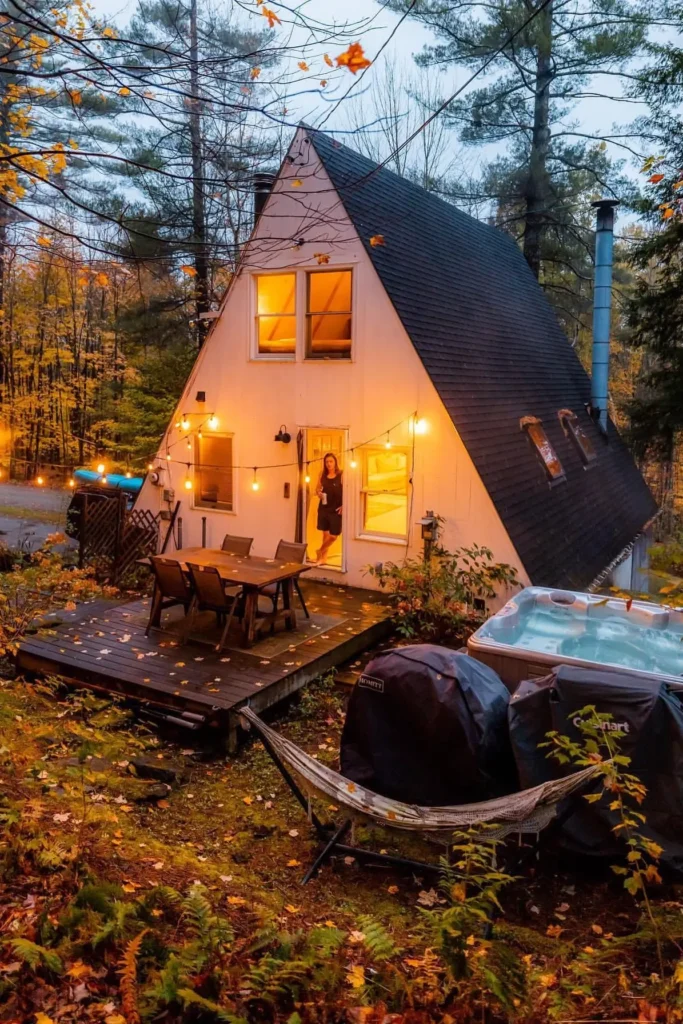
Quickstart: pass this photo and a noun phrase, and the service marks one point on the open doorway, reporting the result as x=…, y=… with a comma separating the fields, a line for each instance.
x=322, y=441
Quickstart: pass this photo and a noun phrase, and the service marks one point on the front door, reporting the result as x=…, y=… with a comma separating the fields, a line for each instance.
x=322, y=522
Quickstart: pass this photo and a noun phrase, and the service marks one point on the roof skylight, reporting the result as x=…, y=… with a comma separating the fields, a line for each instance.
x=535, y=431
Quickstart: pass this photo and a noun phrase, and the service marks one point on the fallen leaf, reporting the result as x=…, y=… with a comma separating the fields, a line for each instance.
x=291, y=909
x=354, y=59
x=376, y=240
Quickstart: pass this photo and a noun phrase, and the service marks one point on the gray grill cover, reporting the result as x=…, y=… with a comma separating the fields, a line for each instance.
x=429, y=726
x=652, y=717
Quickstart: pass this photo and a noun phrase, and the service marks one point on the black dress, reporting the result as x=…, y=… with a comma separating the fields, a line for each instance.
x=328, y=518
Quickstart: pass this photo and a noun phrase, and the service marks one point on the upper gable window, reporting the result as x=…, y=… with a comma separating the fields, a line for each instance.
x=328, y=314
x=536, y=433
x=574, y=428
x=276, y=314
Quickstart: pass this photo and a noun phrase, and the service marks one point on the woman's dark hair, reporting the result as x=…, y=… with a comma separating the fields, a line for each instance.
x=331, y=455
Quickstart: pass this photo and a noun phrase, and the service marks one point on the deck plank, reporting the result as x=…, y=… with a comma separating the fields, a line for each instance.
x=102, y=644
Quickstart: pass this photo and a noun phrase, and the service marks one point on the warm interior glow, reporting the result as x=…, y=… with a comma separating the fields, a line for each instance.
x=329, y=314
x=385, y=492
x=276, y=313
x=213, y=473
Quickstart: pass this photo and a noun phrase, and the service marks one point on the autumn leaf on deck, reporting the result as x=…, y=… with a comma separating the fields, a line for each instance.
x=376, y=240
x=354, y=59
x=271, y=16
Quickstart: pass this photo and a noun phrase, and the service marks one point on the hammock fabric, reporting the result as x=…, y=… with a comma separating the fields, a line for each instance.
x=528, y=811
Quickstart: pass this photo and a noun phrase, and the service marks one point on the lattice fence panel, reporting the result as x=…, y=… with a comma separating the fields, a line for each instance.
x=139, y=538
x=112, y=537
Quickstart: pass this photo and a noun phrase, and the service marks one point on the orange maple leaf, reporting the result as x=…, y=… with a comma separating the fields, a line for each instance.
x=328, y=60
x=303, y=65
x=271, y=16
x=354, y=59
x=255, y=72
x=656, y=178
x=376, y=240
x=667, y=214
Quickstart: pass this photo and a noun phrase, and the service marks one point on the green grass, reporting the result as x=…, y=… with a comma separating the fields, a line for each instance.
x=39, y=515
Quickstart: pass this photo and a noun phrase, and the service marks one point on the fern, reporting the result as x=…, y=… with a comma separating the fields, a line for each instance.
x=323, y=942
x=128, y=971
x=272, y=979
x=209, y=930
x=123, y=914
x=164, y=896
x=377, y=940
x=35, y=956
x=169, y=982
x=190, y=998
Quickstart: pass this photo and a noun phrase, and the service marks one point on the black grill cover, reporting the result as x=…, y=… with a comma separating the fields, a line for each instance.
x=428, y=726
x=652, y=717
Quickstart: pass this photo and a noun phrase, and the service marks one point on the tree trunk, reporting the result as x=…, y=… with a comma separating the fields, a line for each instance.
x=201, y=263
x=537, y=180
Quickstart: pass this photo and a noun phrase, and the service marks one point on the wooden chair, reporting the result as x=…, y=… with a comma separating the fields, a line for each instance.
x=287, y=551
x=237, y=545
x=171, y=587
x=211, y=593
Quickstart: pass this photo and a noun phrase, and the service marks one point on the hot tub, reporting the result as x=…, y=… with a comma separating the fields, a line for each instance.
x=541, y=628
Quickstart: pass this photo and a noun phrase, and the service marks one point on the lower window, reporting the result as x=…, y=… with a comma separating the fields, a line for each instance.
x=213, y=472
x=386, y=481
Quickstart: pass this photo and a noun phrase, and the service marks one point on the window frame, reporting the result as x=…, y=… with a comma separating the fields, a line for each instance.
x=367, y=534
x=196, y=474
x=525, y=424
x=274, y=357
x=574, y=429
x=308, y=355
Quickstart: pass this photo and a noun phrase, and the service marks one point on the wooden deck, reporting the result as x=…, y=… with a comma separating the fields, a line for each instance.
x=102, y=645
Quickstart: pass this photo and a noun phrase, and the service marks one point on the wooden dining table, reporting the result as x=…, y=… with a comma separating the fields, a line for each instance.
x=252, y=573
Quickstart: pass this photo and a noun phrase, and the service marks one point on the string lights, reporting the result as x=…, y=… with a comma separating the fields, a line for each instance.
x=416, y=426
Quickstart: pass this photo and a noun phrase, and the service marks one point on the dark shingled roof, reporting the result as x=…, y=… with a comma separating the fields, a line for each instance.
x=495, y=352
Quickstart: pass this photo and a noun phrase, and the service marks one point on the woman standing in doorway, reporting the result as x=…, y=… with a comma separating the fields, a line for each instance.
x=330, y=492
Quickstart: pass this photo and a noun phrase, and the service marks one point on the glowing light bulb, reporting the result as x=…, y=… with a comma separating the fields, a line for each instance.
x=213, y=421
x=420, y=426
x=150, y=466
x=40, y=481
x=129, y=475
x=353, y=463
x=103, y=480
x=307, y=478
x=387, y=443
x=199, y=434
x=189, y=444
x=188, y=484
x=72, y=482
x=185, y=423
x=168, y=457
x=254, y=483
x=177, y=425
x=100, y=468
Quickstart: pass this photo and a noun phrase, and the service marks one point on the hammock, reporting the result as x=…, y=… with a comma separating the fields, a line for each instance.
x=528, y=811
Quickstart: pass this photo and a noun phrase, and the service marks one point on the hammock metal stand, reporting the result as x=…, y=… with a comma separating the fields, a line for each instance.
x=331, y=835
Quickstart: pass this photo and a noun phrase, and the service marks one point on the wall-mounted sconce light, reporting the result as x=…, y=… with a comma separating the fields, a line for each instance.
x=283, y=435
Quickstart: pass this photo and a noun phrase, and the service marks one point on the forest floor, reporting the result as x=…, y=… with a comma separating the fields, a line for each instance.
x=169, y=888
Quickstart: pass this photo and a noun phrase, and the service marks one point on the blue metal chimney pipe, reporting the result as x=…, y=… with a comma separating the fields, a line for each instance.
x=602, y=308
